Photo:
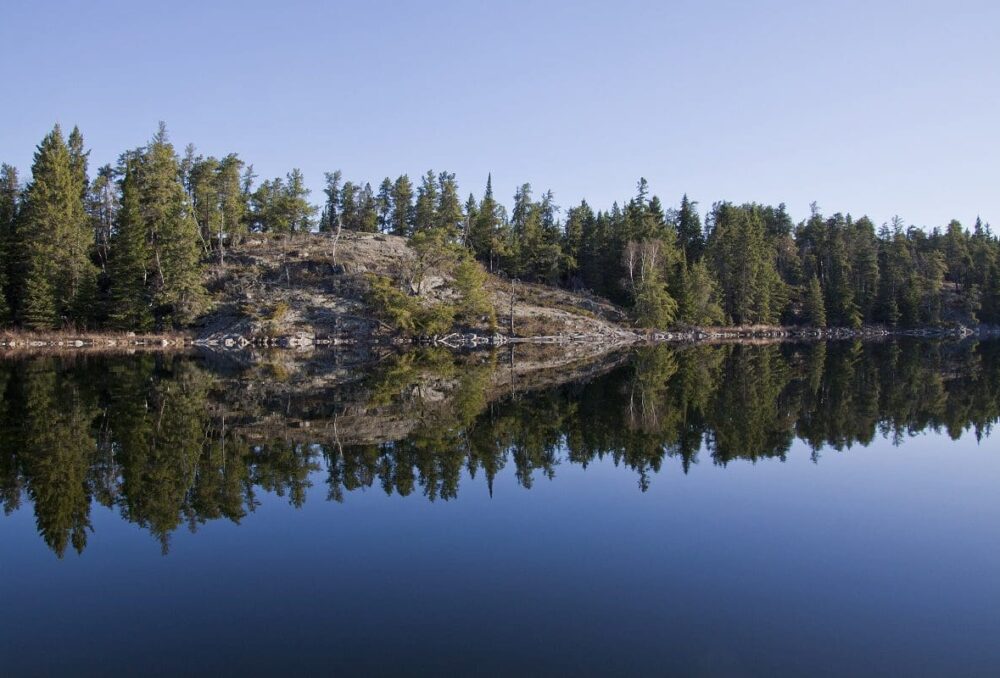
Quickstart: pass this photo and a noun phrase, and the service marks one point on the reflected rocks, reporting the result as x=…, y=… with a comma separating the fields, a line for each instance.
x=172, y=440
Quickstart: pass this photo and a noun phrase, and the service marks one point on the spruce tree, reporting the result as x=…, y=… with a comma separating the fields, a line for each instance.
x=368, y=210
x=485, y=235
x=699, y=301
x=102, y=207
x=448, y=214
x=383, y=203
x=172, y=233
x=425, y=211
x=299, y=213
x=401, y=219
x=10, y=191
x=130, y=299
x=815, y=308
x=59, y=280
x=752, y=291
x=689, y=233
x=332, y=208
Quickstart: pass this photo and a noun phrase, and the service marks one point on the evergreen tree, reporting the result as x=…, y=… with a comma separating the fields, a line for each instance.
x=689, y=233
x=367, y=210
x=78, y=159
x=331, y=210
x=401, y=220
x=815, y=308
x=172, y=233
x=10, y=195
x=300, y=214
x=425, y=212
x=471, y=214
x=383, y=204
x=699, y=302
x=485, y=233
x=350, y=209
x=59, y=283
x=102, y=208
x=449, y=207
x=744, y=262
x=652, y=304
x=130, y=298
x=573, y=241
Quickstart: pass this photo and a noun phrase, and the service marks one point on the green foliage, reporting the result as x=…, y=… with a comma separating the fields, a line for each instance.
x=405, y=313
x=392, y=304
x=174, y=271
x=130, y=294
x=58, y=265
x=815, y=307
x=744, y=261
x=219, y=205
x=475, y=302
x=54, y=238
x=281, y=206
x=10, y=195
x=700, y=299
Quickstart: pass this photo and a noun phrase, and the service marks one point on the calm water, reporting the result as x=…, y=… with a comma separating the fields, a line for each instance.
x=824, y=509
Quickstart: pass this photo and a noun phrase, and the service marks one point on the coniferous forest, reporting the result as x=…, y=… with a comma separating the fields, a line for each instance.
x=122, y=247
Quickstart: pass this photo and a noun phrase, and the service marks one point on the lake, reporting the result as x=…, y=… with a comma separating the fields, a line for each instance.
x=747, y=510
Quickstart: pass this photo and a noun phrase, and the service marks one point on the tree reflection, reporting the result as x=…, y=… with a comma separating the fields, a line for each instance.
x=168, y=440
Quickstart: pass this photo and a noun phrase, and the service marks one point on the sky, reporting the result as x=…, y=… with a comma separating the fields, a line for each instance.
x=877, y=108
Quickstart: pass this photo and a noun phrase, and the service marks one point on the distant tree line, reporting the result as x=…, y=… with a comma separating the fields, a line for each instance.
x=744, y=264
x=125, y=249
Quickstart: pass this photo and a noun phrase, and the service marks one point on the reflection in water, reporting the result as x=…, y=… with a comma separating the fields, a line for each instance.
x=167, y=440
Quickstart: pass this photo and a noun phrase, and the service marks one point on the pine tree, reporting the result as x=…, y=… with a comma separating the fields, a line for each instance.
x=572, y=244
x=815, y=308
x=368, y=210
x=485, y=237
x=59, y=283
x=232, y=203
x=449, y=207
x=752, y=291
x=644, y=263
x=295, y=203
x=471, y=213
x=699, y=302
x=10, y=194
x=401, y=220
x=689, y=233
x=331, y=210
x=383, y=203
x=78, y=159
x=425, y=211
x=350, y=209
x=102, y=207
x=130, y=300
x=172, y=233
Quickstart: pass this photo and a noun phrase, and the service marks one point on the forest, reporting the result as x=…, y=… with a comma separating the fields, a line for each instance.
x=125, y=249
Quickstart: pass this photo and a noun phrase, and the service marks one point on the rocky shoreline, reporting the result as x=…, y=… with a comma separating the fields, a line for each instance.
x=459, y=340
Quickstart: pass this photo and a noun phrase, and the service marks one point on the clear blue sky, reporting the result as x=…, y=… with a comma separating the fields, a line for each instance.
x=868, y=107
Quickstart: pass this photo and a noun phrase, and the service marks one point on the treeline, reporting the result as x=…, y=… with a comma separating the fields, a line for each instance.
x=125, y=249
x=744, y=264
x=156, y=438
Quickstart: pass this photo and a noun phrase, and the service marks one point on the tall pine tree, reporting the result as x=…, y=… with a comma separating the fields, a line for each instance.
x=59, y=280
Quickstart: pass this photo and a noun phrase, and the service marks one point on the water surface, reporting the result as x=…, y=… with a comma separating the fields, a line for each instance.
x=788, y=509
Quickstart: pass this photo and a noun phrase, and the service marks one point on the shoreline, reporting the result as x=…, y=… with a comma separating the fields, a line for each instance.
x=20, y=341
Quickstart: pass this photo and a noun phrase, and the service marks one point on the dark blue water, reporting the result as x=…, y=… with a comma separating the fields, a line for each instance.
x=788, y=558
